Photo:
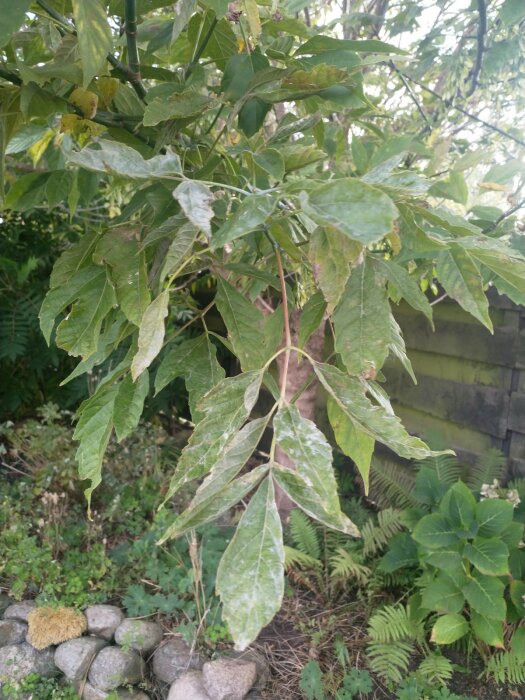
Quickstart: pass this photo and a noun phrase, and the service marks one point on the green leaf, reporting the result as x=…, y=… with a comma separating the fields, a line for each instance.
x=225, y=408
x=361, y=212
x=374, y=420
x=513, y=535
x=308, y=448
x=119, y=159
x=151, y=334
x=73, y=259
x=362, y=320
x=238, y=74
x=93, y=431
x=435, y=531
x=489, y=631
x=517, y=596
x=119, y=248
x=490, y=557
x=461, y=279
x=512, y=12
x=402, y=553
x=250, y=578
x=398, y=348
x=78, y=333
x=485, y=595
x=449, y=559
x=311, y=318
x=208, y=509
x=331, y=254
x=506, y=265
x=129, y=403
x=271, y=161
x=304, y=496
x=183, y=13
x=254, y=338
x=195, y=360
x=222, y=44
x=13, y=15
x=237, y=453
x=355, y=443
x=320, y=44
x=252, y=214
x=196, y=199
x=180, y=105
x=405, y=286
x=179, y=250
x=454, y=188
x=493, y=517
x=459, y=505
x=448, y=629
x=94, y=36
x=442, y=595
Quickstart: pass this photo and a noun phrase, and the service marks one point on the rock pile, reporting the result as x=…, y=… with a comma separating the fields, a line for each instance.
x=117, y=654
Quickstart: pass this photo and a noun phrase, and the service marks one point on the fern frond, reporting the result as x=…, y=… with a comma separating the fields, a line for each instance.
x=436, y=668
x=489, y=466
x=391, y=624
x=345, y=567
x=389, y=661
x=304, y=534
x=391, y=484
x=294, y=557
x=506, y=667
x=447, y=467
x=376, y=536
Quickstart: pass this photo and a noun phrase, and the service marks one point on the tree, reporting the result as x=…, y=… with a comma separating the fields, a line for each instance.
x=236, y=141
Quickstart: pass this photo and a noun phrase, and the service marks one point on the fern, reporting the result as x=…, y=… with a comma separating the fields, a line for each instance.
x=390, y=661
x=391, y=624
x=488, y=467
x=345, y=567
x=391, y=484
x=436, y=668
x=376, y=537
x=304, y=534
x=294, y=557
x=506, y=667
x=447, y=467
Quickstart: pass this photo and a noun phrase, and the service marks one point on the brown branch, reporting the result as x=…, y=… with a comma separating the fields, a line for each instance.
x=482, y=29
x=506, y=215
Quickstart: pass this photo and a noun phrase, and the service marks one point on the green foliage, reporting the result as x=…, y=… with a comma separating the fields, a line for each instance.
x=311, y=682
x=39, y=689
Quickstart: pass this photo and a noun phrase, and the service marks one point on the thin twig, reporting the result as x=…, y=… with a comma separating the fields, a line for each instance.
x=412, y=96
x=482, y=28
x=471, y=116
x=506, y=214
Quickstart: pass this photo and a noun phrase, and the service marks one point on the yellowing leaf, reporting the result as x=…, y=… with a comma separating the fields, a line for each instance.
x=254, y=21
x=86, y=101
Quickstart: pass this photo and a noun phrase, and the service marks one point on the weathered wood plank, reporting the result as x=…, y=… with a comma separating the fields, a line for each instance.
x=473, y=342
x=450, y=311
x=500, y=301
x=451, y=434
x=456, y=369
x=517, y=445
x=516, y=420
x=479, y=407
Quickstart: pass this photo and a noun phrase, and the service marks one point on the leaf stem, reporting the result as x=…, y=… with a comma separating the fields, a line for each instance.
x=200, y=50
x=287, y=333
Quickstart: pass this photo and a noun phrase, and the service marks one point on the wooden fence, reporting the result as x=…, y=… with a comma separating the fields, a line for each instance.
x=471, y=384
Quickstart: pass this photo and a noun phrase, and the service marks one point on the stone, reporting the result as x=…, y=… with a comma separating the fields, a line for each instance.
x=114, y=666
x=263, y=668
x=190, y=686
x=74, y=657
x=173, y=658
x=103, y=620
x=19, y=660
x=141, y=635
x=12, y=632
x=92, y=693
x=229, y=679
x=5, y=602
x=19, y=611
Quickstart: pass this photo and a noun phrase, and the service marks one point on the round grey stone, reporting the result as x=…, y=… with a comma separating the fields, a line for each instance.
x=113, y=667
x=74, y=657
x=5, y=602
x=189, y=686
x=19, y=660
x=19, y=611
x=92, y=693
x=263, y=668
x=173, y=658
x=228, y=679
x=141, y=635
x=103, y=620
x=12, y=632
